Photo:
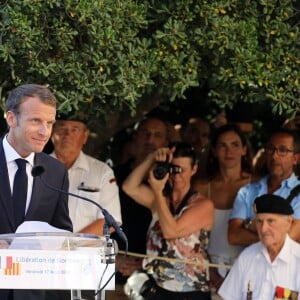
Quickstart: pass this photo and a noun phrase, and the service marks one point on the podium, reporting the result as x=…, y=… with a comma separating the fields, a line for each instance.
x=59, y=261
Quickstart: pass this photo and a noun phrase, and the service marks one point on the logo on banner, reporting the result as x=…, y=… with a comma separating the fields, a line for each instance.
x=10, y=268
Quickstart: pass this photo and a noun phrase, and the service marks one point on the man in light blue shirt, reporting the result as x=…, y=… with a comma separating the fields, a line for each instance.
x=281, y=156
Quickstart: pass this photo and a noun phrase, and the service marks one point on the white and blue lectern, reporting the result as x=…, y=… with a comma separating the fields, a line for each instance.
x=56, y=260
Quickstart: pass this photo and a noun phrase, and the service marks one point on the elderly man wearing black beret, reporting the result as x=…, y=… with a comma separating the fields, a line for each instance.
x=270, y=268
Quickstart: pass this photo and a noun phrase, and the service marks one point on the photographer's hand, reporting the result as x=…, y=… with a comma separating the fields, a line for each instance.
x=164, y=154
x=157, y=185
x=134, y=184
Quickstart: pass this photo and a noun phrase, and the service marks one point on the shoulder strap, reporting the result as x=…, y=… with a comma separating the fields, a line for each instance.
x=183, y=203
x=294, y=193
x=209, y=190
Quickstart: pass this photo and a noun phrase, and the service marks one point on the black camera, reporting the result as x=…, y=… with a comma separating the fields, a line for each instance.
x=162, y=168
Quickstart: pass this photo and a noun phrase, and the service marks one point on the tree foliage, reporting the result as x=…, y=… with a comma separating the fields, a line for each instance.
x=102, y=57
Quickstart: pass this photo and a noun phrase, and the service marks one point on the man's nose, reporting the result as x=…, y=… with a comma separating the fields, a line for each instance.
x=264, y=227
x=150, y=138
x=44, y=129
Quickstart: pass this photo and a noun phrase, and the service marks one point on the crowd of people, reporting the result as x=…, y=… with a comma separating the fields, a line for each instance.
x=229, y=180
x=185, y=201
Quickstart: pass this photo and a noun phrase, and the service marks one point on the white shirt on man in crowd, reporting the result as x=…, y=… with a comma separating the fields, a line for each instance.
x=88, y=172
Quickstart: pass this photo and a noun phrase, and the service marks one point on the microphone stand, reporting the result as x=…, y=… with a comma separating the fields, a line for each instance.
x=109, y=222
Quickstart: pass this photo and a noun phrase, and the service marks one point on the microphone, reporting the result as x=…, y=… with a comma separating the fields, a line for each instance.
x=38, y=170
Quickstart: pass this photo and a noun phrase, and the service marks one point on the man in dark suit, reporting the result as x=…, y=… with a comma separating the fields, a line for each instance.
x=30, y=115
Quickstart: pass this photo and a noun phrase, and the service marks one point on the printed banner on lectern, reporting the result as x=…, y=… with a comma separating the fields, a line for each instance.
x=40, y=269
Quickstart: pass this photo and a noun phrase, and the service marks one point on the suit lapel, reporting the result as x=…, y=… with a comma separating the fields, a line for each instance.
x=5, y=192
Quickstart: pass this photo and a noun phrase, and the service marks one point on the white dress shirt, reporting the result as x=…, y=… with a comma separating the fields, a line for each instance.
x=95, y=174
x=255, y=268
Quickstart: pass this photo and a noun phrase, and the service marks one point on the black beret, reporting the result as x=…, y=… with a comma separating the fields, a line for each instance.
x=78, y=116
x=273, y=204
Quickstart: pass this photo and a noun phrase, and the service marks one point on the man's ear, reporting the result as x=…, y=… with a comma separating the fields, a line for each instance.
x=11, y=119
x=296, y=159
x=290, y=221
x=86, y=135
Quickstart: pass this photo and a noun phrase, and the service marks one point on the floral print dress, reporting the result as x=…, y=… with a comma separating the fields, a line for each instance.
x=177, y=276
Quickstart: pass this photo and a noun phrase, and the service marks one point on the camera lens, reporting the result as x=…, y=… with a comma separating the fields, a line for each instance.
x=161, y=169
x=174, y=169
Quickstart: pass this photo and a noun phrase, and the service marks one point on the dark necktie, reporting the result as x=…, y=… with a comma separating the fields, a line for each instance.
x=20, y=191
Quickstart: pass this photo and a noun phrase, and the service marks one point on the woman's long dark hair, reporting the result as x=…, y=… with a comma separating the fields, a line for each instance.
x=212, y=163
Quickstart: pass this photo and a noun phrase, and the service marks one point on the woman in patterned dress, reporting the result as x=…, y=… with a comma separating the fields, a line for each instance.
x=182, y=220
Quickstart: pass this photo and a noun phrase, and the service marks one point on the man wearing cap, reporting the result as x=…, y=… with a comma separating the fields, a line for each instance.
x=282, y=155
x=268, y=269
x=89, y=177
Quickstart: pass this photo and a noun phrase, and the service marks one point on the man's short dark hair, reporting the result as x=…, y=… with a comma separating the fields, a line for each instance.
x=18, y=95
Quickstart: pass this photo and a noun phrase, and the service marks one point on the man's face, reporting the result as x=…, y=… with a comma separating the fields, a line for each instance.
x=272, y=229
x=69, y=136
x=197, y=134
x=30, y=128
x=280, y=165
x=151, y=135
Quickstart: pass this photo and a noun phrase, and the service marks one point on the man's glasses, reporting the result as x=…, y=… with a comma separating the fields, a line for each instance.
x=281, y=150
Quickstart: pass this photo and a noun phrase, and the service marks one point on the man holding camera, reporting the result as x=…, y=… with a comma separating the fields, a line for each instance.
x=151, y=134
x=181, y=221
